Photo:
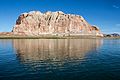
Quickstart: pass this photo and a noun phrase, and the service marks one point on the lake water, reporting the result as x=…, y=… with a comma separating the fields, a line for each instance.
x=60, y=59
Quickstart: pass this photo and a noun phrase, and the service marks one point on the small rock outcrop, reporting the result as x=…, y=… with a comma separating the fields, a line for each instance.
x=36, y=23
x=6, y=33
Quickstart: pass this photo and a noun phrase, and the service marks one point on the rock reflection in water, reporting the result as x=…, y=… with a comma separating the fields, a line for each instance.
x=54, y=49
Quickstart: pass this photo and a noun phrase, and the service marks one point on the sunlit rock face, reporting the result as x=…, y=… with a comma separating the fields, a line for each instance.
x=57, y=23
x=54, y=49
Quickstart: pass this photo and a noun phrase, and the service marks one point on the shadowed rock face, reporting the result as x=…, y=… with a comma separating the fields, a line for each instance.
x=54, y=49
x=37, y=23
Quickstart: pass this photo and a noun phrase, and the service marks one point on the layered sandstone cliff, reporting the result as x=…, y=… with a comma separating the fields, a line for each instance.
x=57, y=23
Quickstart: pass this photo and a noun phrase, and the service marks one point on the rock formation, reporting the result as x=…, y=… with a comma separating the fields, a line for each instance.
x=57, y=23
x=6, y=33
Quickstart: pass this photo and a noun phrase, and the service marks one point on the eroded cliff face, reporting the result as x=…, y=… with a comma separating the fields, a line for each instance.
x=36, y=23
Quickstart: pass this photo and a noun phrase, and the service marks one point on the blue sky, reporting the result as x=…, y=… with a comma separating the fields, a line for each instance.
x=103, y=13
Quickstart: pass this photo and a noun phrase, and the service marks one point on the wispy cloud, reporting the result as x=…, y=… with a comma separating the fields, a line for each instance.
x=117, y=25
x=115, y=6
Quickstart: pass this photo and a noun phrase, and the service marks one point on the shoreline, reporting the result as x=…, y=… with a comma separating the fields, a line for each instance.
x=56, y=37
x=10, y=35
x=49, y=37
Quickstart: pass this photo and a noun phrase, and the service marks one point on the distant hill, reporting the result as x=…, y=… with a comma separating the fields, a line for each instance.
x=112, y=35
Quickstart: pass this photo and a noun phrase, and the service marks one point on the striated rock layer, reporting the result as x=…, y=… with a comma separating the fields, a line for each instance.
x=57, y=23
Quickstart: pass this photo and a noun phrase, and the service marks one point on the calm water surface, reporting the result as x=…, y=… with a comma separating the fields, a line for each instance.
x=60, y=59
